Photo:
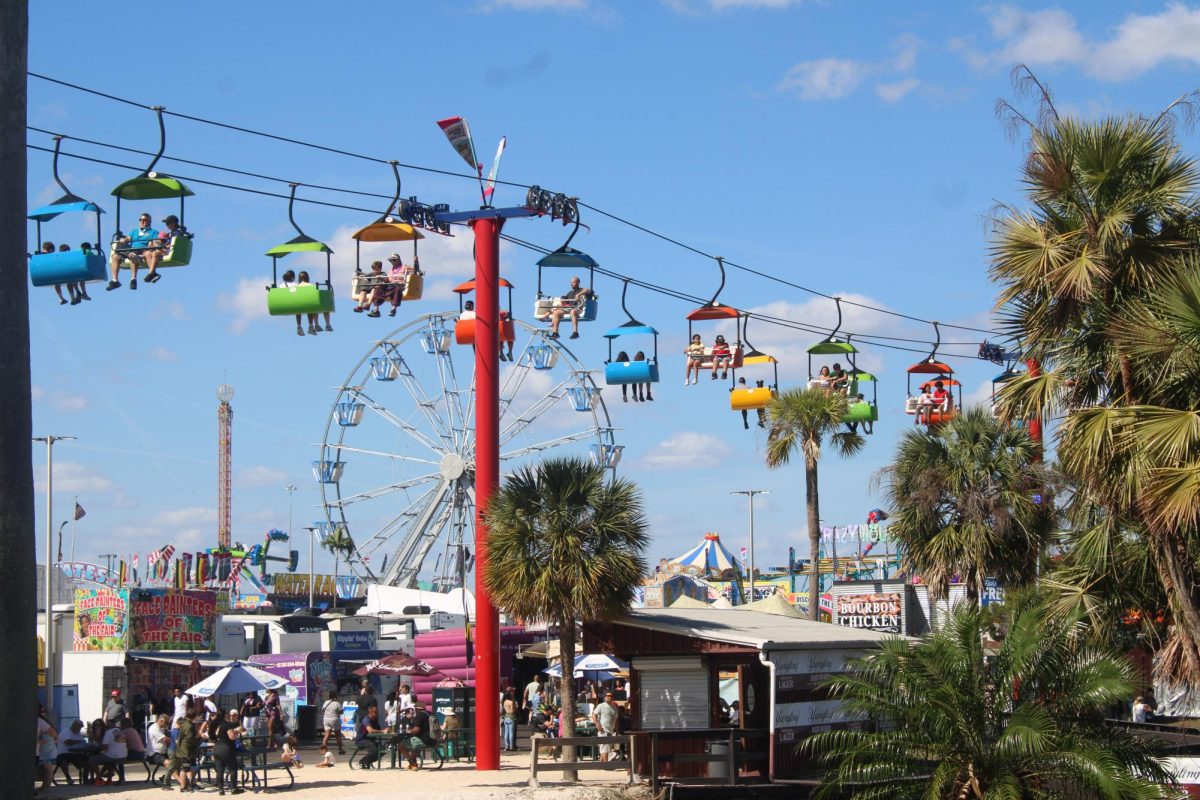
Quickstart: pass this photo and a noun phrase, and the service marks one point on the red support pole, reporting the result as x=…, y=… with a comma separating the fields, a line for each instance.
x=1035, y=424
x=487, y=479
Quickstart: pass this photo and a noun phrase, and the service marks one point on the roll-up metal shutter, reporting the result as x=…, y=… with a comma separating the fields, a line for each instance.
x=673, y=699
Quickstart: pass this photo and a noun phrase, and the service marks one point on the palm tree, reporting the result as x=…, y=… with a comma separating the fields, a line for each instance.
x=18, y=560
x=1112, y=230
x=950, y=717
x=799, y=420
x=565, y=545
x=338, y=542
x=970, y=500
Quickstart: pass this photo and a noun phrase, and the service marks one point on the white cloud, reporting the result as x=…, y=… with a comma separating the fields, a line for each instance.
x=834, y=78
x=687, y=450
x=72, y=478
x=65, y=402
x=825, y=78
x=536, y=5
x=170, y=310
x=894, y=92
x=692, y=7
x=1051, y=37
x=246, y=303
x=261, y=476
x=164, y=355
x=194, y=515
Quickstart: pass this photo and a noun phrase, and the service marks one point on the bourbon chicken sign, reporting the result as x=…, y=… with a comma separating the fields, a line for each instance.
x=875, y=612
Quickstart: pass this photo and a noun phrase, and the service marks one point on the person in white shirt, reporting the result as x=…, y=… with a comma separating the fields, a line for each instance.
x=113, y=751
x=159, y=738
x=406, y=698
x=326, y=757
x=181, y=704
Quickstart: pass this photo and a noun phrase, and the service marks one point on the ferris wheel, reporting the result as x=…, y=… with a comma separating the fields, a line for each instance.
x=396, y=465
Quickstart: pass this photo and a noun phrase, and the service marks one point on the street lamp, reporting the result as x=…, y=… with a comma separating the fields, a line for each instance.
x=311, y=530
x=290, y=489
x=49, y=584
x=750, y=493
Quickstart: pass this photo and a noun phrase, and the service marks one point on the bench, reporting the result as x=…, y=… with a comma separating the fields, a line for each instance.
x=736, y=354
x=547, y=743
x=259, y=773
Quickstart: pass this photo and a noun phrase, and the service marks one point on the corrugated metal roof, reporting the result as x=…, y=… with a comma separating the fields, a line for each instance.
x=752, y=628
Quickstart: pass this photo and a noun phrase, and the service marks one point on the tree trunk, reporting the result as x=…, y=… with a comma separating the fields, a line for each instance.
x=18, y=560
x=1173, y=565
x=566, y=689
x=813, y=502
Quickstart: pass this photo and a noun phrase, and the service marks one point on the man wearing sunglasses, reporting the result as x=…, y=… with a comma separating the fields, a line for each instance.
x=137, y=248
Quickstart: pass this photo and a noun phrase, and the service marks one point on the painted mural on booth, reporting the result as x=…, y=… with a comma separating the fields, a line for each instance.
x=168, y=619
x=101, y=619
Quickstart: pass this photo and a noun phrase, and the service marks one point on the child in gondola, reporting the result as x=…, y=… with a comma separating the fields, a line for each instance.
x=695, y=357
x=641, y=390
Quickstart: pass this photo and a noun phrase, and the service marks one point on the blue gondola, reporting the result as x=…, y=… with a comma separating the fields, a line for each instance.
x=350, y=413
x=71, y=266
x=607, y=455
x=326, y=471
x=542, y=356
x=643, y=370
x=385, y=368
x=583, y=397
x=436, y=340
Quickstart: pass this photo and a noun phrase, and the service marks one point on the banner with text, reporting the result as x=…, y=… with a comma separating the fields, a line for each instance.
x=101, y=618
x=166, y=619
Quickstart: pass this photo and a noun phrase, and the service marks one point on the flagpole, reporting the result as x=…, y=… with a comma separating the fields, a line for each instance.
x=74, y=517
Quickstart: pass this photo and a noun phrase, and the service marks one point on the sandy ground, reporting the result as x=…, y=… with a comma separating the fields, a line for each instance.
x=454, y=781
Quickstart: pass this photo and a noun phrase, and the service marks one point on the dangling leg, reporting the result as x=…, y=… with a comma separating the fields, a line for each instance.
x=299, y=327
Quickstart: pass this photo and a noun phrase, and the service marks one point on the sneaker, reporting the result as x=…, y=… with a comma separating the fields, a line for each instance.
x=626, y=400
x=357, y=309
x=133, y=284
x=312, y=331
x=328, y=328
x=63, y=302
x=686, y=381
x=714, y=376
x=550, y=335
x=85, y=297
x=299, y=331
x=575, y=334
x=724, y=376
x=112, y=285
x=648, y=397
x=392, y=313
x=153, y=277
x=373, y=314
x=318, y=327
x=695, y=380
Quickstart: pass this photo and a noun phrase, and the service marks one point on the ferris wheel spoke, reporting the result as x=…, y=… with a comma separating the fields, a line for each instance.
x=535, y=410
x=393, y=456
x=420, y=537
x=371, y=494
x=414, y=510
x=549, y=444
x=423, y=401
x=519, y=372
x=403, y=425
x=452, y=397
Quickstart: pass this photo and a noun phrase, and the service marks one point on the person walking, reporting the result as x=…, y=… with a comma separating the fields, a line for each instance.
x=224, y=733
x=187, y=746
x=331, y=721
x=115, y=710
x=604, y=717
x=273, y=713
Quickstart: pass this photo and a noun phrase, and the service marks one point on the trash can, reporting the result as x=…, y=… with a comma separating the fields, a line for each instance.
x=306, y=723
x=718, y=747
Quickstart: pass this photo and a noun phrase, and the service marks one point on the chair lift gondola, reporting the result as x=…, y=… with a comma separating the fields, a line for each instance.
x=619, y=373
x=941, y=412
x=867, y=412
x=998, y=383
x=151, y=185
x=831, y=345
x=389, y=229
x=464, y=328
x=306, y=299
x=71, y=266
x=567, y=257
x=754, y=397
x=714, y=310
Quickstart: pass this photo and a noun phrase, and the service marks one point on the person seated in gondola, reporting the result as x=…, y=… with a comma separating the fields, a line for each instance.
x=138, y=247
x=165, y=241
x=924, y=406
x=367, y=284
x=762, y=413
x=695, y=358
x=500, y=339
x=641, y=391
x=822, y=381
x=47, y=249
x=314, y=322
x=722, y=357
x=398, y=274
x=623, y=358
x=941, y=397
x=868, y=426
x=468, y=311
x=572, y=303
x=839, y=380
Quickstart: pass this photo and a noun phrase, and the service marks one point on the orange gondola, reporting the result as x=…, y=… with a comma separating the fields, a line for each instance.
x=464, y=328
x=936, y=401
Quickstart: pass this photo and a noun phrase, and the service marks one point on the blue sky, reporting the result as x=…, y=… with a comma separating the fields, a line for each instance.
x=847, y=146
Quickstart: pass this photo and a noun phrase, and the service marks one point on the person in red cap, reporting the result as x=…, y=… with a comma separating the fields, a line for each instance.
x=115, y=711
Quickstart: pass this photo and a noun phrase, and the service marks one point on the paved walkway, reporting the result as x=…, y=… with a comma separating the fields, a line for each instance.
x=455, y=781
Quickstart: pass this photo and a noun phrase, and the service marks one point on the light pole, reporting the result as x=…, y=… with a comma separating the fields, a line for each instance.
x=49, y=583
x=290, y=489
x=311, y=530
x=750, y=494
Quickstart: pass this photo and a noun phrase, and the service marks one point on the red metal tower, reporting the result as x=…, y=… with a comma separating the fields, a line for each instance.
x=224, y=463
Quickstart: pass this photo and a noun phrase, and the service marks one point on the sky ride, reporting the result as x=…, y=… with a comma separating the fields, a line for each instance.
x=935, y=401
x=54, y=267
x=299, y=295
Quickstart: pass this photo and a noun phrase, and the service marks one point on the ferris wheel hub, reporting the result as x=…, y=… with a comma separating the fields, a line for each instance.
x=452, y=466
